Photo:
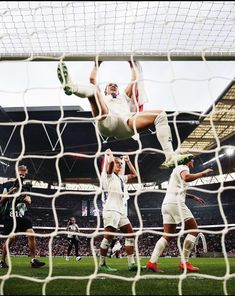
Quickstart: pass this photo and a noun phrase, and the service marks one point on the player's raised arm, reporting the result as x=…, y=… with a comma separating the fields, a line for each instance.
x=110, y=162
x=93, y=75
x=134, y=77
x=133, y=173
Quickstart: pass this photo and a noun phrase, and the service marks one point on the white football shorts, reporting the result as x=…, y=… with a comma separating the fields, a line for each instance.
x=171, y=213
x=116, y=126
x=114, y=219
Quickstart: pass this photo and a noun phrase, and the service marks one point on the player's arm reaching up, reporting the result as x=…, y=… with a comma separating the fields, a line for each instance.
x=110, y=162
x=114, y=111
x=94, y=72
x=133, y=173
x=134, y=78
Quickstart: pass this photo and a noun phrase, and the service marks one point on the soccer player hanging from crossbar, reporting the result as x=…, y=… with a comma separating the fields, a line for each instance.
x=116, y=119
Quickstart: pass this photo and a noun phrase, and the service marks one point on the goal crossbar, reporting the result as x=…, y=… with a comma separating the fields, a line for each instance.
x=179, y=56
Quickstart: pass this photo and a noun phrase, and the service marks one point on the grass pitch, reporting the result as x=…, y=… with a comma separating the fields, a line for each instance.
x=84, y=279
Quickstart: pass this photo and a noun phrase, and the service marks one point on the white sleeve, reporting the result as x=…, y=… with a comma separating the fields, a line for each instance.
x=182, y=169
x=104, y=180
x=126, y=97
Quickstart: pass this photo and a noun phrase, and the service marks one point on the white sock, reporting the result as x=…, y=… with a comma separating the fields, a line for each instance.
x=188, y=246
x=130, y=259
x=163, y=133
x=102, y=260
x=83, y=91
x=158, y=250
x=104, y=245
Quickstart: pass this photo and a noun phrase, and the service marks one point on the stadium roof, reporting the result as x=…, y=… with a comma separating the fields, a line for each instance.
x=218, y=123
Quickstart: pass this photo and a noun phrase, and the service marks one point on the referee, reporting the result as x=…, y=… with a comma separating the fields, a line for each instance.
x=72, y=238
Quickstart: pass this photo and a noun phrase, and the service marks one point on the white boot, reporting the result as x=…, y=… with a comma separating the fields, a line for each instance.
x=177, y=159
x=82, y=91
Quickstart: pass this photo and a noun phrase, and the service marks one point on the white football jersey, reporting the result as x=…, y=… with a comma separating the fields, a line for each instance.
x=114, y=192
x=72, y=228
x=177, y=187
x=118, y=106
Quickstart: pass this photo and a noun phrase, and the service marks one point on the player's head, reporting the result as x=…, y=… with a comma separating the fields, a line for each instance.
x=111, y=89
x=190, y=161
x=117, y=165
x=72, y=220
x=22, y=170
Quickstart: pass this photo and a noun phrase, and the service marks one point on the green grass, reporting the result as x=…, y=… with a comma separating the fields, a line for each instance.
x=148, y=283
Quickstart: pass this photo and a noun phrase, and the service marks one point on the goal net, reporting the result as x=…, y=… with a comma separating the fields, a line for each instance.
x=58, y=139
x=117, y=29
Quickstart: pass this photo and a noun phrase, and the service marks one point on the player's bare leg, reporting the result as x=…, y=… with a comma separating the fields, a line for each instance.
x=32, y=247
x=91, y=92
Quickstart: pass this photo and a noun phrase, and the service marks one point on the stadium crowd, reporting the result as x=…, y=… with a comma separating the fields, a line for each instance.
x=146, y=244
x=72, y=205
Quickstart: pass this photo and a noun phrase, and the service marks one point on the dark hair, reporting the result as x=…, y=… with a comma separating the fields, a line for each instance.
x=188, y=159
x=22, y=168
x=70, y=220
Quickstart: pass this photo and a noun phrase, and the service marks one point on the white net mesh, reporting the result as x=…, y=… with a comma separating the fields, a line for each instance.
x=116, y=30
x=185, y=28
